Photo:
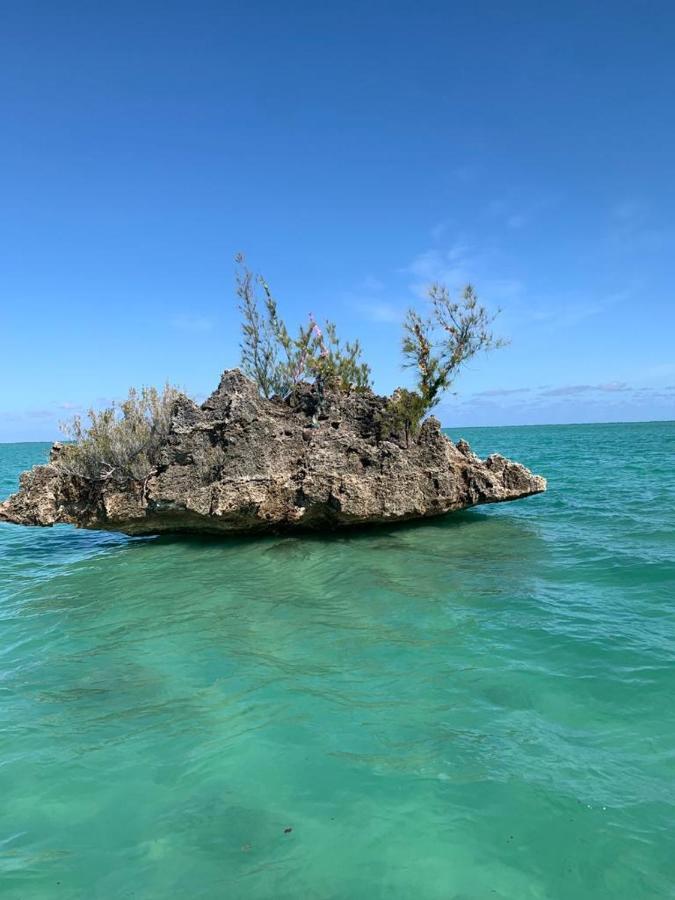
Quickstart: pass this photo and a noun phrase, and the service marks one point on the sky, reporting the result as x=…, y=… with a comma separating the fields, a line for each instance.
x=355, y=152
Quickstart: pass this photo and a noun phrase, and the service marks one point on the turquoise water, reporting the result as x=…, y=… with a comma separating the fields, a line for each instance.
x=476, y=707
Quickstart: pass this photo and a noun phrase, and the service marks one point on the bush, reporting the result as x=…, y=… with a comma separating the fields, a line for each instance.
x=403, y=414
x=437, y=347
x=278, y=361
x=121, y=442
x=440, y=345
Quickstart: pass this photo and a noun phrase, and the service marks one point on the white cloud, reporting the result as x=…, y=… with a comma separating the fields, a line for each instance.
x=572, y=390
x=380, y=311
x=460, y=264
x=189, y=322
x=613, y=386
x=633, y=230
x=502, y=392
x=370, y=284
x=660, y=370
x=40, y=413
x=452, y=266
x=566, y=310
x=439, y=230
x=519, y=207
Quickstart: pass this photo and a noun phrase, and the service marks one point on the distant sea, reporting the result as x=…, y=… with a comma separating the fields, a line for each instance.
x=480, y=706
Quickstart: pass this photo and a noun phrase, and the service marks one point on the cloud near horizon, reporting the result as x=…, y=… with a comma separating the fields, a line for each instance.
x=502, y=392
x=572, y=390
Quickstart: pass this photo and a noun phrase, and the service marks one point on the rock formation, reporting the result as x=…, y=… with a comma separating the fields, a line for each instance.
x=239, y=463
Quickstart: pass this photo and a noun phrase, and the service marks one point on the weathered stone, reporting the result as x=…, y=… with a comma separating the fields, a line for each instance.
x=239, y=463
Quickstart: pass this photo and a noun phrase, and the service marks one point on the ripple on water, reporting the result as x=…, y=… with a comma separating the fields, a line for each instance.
x=476, y=706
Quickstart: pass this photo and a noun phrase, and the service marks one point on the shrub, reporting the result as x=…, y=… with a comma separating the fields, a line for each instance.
x=276, y=360
x=440, y=345
x=403, y=414
x=121, y=442
x=437, y=347
x=259, y=336
x=333, y=364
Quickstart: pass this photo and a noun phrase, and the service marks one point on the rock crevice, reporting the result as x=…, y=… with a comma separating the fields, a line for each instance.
x=240, y=463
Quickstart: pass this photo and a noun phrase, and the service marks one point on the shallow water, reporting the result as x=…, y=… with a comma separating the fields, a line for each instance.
x=479, y=706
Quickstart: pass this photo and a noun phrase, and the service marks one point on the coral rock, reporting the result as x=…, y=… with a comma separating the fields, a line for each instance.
x=240, y=463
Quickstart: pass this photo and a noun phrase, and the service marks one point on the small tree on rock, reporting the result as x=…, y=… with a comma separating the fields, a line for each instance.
x=437, y=347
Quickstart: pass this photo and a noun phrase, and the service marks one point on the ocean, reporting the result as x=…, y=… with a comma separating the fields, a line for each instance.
x=479, y=706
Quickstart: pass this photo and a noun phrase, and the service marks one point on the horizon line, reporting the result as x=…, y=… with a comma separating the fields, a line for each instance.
x=566, y=424
x=448, y=427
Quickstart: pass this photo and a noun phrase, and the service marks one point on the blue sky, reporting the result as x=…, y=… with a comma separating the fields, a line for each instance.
x=354, y=151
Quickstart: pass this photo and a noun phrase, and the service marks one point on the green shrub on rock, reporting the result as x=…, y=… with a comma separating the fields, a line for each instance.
x=441, y=344
x=278, y=361
x=122, y=441
x=437, y=347
x=403, y=414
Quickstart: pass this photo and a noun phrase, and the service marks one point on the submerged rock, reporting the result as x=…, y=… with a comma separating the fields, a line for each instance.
x=240, y=463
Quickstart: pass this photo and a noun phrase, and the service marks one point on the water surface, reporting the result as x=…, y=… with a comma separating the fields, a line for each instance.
x=479, y=706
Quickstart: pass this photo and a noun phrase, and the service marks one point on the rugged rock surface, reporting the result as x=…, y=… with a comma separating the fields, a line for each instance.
x=239, y=463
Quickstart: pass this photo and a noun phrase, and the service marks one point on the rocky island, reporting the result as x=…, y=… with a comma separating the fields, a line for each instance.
x=242, y=463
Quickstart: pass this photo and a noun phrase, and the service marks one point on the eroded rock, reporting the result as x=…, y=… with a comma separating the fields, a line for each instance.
x=239, y=463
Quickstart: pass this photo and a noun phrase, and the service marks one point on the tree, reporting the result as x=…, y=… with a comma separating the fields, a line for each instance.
x=437, y=347
x=259, y=340
x=123, y=442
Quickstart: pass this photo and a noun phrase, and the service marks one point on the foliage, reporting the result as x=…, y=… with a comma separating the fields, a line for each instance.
x=276, y=360
x=403, y=413
x=259, y=344
x=335, y=364
x=121, y=442
x=437, y=347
